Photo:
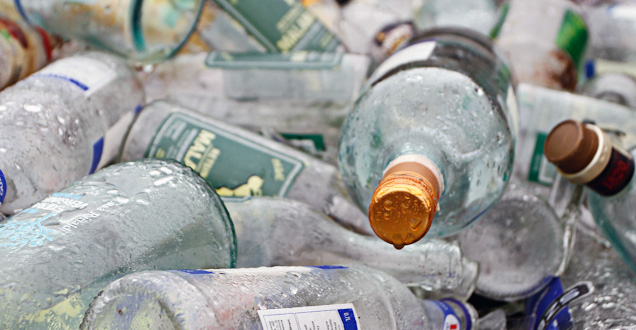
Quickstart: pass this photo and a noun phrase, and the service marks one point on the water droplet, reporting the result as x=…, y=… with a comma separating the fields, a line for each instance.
x=3, y=108
x=404, y=207
x=388, y=205
x=415, y=223
x=154, y=173
x=32, y=108
x=163, y=181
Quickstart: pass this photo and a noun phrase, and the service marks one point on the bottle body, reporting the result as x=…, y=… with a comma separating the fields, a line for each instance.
x=119, y=220
x=24, y=49
x=450, y=101
x=547, y=54
x=62, y=123
x=480, y=15
x=145, y=31
x=612, y=87
x=611, y=29
x=518, y=244
x=238, y=163
x=282, y=232
x=246, y=296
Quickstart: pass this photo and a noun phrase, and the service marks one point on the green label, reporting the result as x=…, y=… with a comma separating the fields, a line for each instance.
x=572, y=37
x=235, y=166
x=288, y=61
x=541, y=170
x=281, y=25
x=312, y=143
x=502, y=18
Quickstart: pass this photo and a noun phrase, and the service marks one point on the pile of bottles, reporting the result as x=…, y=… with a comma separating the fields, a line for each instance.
x=317, y=164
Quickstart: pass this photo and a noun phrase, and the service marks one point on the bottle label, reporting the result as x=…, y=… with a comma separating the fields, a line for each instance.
x=281, y=25
x=503, y=12
x=548, y=309
x=3, y=187
x=616, y=176
x=541, y=170
x=34, y=226
x=311, y=143
x=451, y=321
x=106, y=148
x=572, y=36
x=86, y=73
x=420, y=51
x=237, y=167
x=336, y=317
x=275, y=61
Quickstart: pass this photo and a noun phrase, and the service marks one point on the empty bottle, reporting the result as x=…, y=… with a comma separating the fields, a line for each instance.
x=613, y=87
x=283, y=232
x=146, y=31
x=478, y=15
x=518, y=244
x=62, y=123
x=57, y=254
x=325, y=297
x=543, y=108
x=23, y=48
x=584, y=154
x=238, y=163
x=373, y=27
x=435, y=127
x=545, y=39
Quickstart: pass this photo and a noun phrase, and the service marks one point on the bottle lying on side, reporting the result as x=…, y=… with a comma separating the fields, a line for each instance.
x=57, y=254
x=283, y=232
x=62, y=123
x=239, y=163
x=325, y=297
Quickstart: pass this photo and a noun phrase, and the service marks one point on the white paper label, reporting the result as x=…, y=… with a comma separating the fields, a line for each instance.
x=86, y=73
x=327, y=317
x=107, y=147
x=416, y=52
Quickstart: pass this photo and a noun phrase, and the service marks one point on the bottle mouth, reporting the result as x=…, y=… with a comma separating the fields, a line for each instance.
x=402, y=207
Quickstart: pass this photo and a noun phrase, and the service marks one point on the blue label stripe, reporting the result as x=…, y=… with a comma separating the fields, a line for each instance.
x=590, y=69
x=329, y=267
x=195, y=271
x=138, y=109
x=20, y=9
x=469, y=322
x=98, y=148
x=3, y=187
x=348, y=318
x=77, y=83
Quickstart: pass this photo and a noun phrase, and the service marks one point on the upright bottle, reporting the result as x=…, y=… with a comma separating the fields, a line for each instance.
x=62, y=123
x=144, y=31
x=545, y=39
x=283, y=232
x=584, y=154
x=430, y=143
x=325, y=297
x=57, y=254
x=238, y=163
x=23, y=48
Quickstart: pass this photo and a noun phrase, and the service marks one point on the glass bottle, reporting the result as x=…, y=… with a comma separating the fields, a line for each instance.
x=283, y=232
x=435, y=126
x=144, y=31
x=57, y=254
x=613, y=87
x=239, y=163
x=545, y=40
x=584, y=154
x=62, y=123
x=333, y=297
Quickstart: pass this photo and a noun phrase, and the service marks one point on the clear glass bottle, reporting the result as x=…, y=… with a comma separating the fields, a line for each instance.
x=57, y=254
x=613, y=87
x=333, y=297
x=283, y=232
x=62, y=123
x=545, y=40
x=478, y=15
x=145, y=31
x=584, y=154
x=518, y=244
x=436, y=124
x=23, y=48
x=540, y=109
x=239, y=163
